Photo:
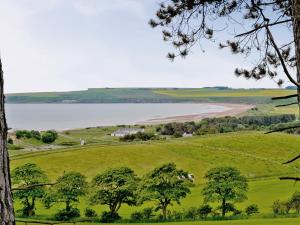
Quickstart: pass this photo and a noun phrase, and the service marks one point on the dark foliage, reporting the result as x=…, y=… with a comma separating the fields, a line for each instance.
x=28, y=134
x=65, y=215
x=109, y=217
x=49, y=136
x=139, y=136
x=90, y=213
x=226, y=124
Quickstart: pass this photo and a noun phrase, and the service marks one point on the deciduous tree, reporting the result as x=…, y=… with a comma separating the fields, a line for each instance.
x=165, y=185
x=29, y=175
x=225, y=185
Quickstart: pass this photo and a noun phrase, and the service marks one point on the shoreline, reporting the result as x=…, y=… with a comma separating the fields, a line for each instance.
x=234, y=109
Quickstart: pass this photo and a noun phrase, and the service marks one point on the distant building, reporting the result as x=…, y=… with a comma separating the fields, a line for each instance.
x=125, y=131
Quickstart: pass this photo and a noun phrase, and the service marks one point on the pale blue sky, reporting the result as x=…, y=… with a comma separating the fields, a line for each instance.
x=57, y=45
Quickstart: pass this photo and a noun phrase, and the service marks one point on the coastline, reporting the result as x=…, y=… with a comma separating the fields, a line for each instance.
x=233, y=110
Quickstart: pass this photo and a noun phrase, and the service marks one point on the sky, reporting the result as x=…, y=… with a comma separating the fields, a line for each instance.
x=63, y=45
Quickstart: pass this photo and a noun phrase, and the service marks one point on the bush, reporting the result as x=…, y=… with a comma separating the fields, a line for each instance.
x=108, y=217
x=139, y=136
x=28, y=134
x=175, y=215
x=10, y=141
x=137, y=216
x=36, y=134
x=251, y=209
x=191, y=213
x=90, y=213
x=49, y=136
x=204, y=211
x=64, y=215
x=279, y=207
x=145, y=214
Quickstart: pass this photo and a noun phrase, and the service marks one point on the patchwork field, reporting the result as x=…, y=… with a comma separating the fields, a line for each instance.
x=257, y=155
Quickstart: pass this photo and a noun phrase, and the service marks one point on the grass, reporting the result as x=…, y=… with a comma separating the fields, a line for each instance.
x=273, y=221
x=258, y=156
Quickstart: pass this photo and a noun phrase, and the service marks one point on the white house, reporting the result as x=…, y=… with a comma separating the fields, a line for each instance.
x=187, y=135
x=125, y=131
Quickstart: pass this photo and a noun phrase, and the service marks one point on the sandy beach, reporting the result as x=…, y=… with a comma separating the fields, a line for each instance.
x=232, y=110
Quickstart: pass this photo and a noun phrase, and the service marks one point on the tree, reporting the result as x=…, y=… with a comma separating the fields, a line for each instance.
x=164, y=185
x=186, y=22
x=29, y=175
x=256, y=26
x=68, y=189
x=225, y=185
x=49, y=136
x=115, y=187
x=7, y=215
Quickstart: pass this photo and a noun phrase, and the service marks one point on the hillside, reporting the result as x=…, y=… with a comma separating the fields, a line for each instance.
x=258, y=156
x=151, y=95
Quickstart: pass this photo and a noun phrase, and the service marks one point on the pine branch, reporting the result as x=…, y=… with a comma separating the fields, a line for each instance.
x=263, y=26
x=282, y=129
x=290, y=178
x=284, y=97
x=288, y=104
x=286, y=71
x=292, y=160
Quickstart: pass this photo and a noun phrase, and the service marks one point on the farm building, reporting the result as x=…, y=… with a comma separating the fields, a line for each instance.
x=125, y=131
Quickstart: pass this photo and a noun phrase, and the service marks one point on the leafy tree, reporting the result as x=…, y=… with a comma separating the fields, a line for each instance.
x=68, y=189
x=165, y=185
x=115, y=187
x=49, y=136
x=25, y=176
x=225, y=184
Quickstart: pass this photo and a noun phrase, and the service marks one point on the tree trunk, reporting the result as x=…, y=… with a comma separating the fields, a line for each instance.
x=164, y=212
x=296, y=29
x=6, y=202
x=223, y=207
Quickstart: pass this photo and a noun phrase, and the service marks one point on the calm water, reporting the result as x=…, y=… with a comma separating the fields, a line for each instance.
x=68, y=116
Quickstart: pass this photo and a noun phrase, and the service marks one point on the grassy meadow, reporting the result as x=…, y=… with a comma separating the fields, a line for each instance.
x=258, y=156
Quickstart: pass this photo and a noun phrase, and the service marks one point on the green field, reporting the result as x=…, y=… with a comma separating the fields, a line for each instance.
x=258, y=156
x=275, y=221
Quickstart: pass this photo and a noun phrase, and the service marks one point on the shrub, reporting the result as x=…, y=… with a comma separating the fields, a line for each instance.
x=295, y=201
x=251, y=209
x=137, y=216
x=10, y=141
x=28, y=134
x=204, y=210
x=49, y=136
x=64, y=215
x=176, y=215
x=108, y=217
x=90, y=213
x=191, y=213
x=36, y=134
x=148, y=213
x=279, y=207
